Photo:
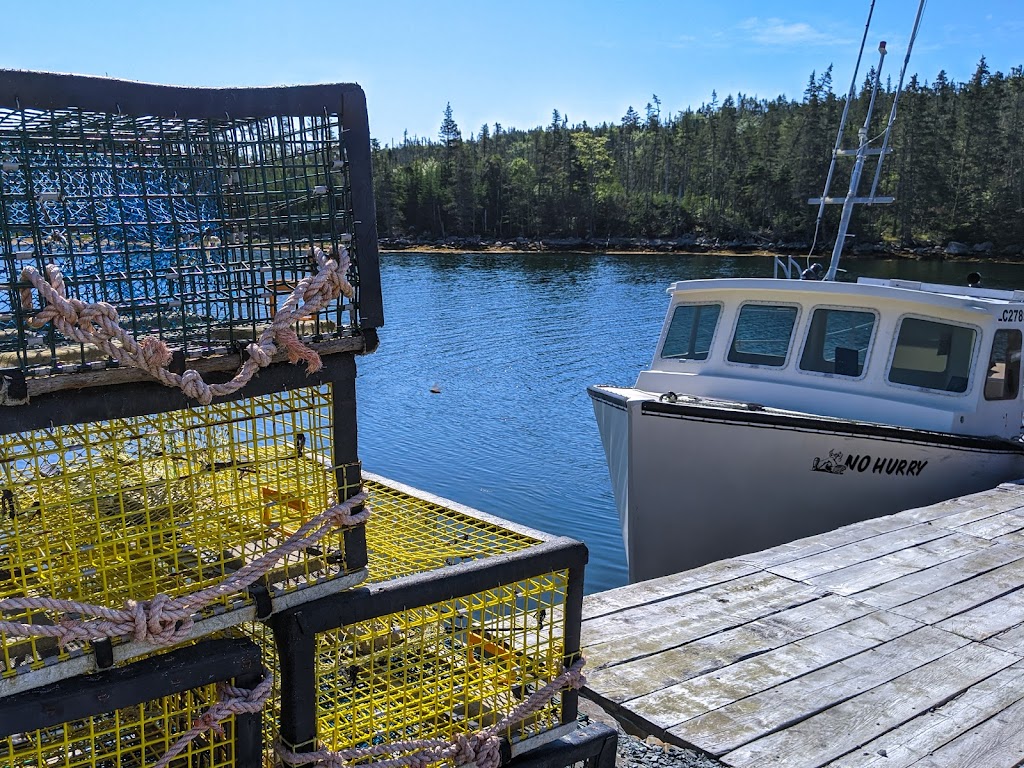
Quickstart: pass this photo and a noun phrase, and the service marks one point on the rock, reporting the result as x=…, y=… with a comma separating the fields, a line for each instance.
x=565, y=244
x=957, y=249
x=985, y=247
x=927, y=254
x=1010, y=250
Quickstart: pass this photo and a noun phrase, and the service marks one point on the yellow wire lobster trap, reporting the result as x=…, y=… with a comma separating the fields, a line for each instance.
x=465, y=619
x=172, y=503
x=132, y=718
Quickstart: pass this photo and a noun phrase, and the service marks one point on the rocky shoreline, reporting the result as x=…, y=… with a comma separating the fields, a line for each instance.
x=635, y=751
x=699, y=244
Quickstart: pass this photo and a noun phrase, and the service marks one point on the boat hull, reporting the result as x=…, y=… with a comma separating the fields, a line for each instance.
x=700, y=481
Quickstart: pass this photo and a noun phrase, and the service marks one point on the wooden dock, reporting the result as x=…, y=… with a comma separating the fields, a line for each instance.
x=893, y=642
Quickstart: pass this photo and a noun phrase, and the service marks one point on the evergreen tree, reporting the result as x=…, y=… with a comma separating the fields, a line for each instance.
x=739, y=167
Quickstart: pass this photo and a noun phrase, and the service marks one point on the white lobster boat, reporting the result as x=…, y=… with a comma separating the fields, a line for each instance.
x=780, y=408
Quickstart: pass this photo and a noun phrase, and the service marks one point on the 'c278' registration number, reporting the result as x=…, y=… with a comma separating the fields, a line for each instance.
x=1012, y=316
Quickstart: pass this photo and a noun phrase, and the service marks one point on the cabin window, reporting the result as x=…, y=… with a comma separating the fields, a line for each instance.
x=763, y=333
x=1003, y=379
x=691, y=331
x=837, y=341
x=932, y=355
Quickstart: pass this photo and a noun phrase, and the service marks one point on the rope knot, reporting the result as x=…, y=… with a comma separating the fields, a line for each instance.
x=208, y=722
x=341, y=514
x=262, y=357
x=154, y=352
x=98, y=319
x=574, y=677
x=482, y=748
x=242, y=700
x=193, y=386
x=158, y=621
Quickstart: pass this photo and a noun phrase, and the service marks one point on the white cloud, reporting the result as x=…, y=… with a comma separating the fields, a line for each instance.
x=776, y=31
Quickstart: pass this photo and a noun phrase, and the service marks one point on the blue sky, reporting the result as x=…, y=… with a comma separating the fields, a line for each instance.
x=512, y=62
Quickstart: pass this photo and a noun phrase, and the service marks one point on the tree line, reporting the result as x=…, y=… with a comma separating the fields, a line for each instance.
x=738, y=168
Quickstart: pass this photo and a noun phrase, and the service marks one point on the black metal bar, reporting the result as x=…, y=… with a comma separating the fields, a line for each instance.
x=249, y=726
x=357, y=144
x=48, y=90
x=593, y=744
x=118, y=401
x=346, y=460
x=435, y=586
x=297, y=665
x=76, y=698
x=573, y=630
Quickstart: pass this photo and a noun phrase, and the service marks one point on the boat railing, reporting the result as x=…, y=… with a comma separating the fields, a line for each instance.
x=788, y=266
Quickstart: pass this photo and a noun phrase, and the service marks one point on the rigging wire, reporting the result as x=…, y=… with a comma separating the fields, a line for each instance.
x=839, y=135
x=896, y=98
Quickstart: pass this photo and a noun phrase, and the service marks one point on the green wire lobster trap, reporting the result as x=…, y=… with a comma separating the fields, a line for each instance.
x=169, y=503
x=466, y=617
x=192, y=212
x=130, y=718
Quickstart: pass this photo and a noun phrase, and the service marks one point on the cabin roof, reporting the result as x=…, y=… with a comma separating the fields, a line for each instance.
x=932, y=294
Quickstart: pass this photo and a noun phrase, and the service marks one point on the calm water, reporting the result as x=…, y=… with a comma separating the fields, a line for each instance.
x=513, y=341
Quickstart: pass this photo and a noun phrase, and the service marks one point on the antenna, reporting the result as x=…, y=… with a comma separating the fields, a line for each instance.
x=863, y=149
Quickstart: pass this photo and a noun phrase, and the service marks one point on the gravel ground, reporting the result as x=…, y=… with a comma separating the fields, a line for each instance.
x=635, y=752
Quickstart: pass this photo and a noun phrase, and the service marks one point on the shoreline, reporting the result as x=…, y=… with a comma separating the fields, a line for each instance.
x=981, y=254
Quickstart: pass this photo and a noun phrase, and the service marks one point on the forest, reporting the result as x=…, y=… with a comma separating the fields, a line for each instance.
x=736, y=169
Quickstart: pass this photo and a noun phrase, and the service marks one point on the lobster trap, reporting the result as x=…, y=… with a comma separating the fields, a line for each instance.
x=464, y=621
x=129, y=718
x=193, y=212
x=171, y=503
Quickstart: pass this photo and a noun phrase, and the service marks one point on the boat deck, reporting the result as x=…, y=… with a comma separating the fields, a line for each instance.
x=892, y=642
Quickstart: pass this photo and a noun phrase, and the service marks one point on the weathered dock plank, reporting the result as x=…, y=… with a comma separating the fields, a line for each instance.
x=897, y=642
x=931, y=730
x=721, y=649
x=872, y=573
x=795, y=700
x=691, y=616
x=714, y=689
x=996, y=742
x=668, y=586
x=910, y=587
x=857, y=552
x=864, y=717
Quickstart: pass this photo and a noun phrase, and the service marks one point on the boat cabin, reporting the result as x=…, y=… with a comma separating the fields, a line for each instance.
x=919, y=355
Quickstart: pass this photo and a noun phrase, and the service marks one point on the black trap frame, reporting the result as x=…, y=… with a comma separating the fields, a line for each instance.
x=193, y=211
x=437, y=653
x=590, y=746
x=129, y=717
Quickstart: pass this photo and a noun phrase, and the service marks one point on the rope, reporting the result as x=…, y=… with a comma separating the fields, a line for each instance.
x=231, y=701
x=165, y=620
x=99, y=324
x=482, y=748
x=5, y=396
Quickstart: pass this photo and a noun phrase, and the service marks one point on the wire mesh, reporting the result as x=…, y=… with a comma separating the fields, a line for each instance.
x=129, y=733
x=127, y=737
x=171, y=503
x=448, y=668
x=194, y=229
x=408, y=534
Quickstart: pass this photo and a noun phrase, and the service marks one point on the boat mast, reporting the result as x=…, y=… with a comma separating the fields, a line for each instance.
x=862, y=153
x=863, y=150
